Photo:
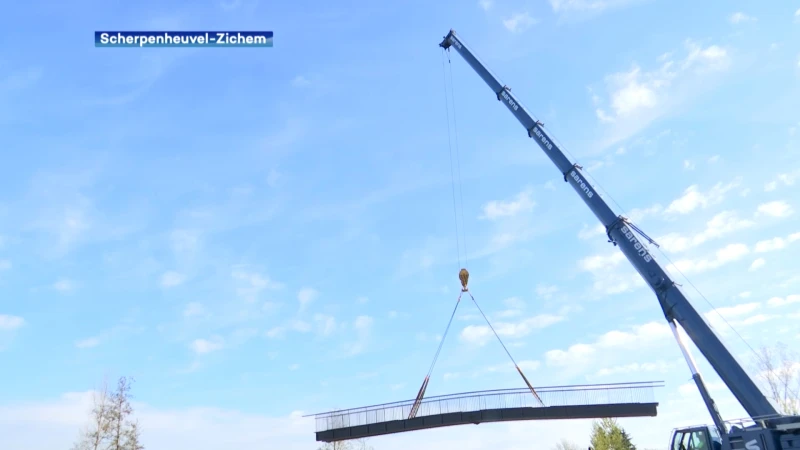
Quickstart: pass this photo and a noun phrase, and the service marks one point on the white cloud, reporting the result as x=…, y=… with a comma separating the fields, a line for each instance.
x=300, y=81
x=582, y=355
x=292, y=325
x=781, y=301
x=5, y=264
x=713, y=159
x=184, y=241
x=88, y=342
x=720, y=225
x=194, y=309
x=757, y=264
x=639, y=214
x=496, y=209
x=693, y=198
x=326, y=324
x=740, y=17
x=480, y=334
x=777, y=208
x=57, y=421
x=797, y=15
x=725, y=255
x=486, y=4
x=658, y=366
x=519, y=22
x=202, y=346
x=688, y=165
x=786, y=179
x=588, y=232
x=770, y=245
x=363, y=327
x=10, y=323
x=736, y=310
x=587, y=6
x=63, y=285
x=172, y=279
x=273, y=177
x=637, y=97
x=545, y=290
x=738, y=316
x=514, y=302
x=305, y=296
x=609, y=278
x=251, y=284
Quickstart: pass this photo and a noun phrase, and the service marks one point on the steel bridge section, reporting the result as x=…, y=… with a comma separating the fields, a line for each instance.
x=561, y=402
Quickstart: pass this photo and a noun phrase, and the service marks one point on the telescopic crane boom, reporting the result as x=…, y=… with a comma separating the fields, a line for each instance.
x=674, y=304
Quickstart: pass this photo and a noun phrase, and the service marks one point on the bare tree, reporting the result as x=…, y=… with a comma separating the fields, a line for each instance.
x=94, y=437
x=779, y=372
x=119, y=413
x=352, y=444
x=132, y=438
x=566, y=445
x=338, y=421
x=362, y=444
x=111, y=425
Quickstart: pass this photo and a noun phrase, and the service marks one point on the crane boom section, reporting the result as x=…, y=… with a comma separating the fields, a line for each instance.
x=673, y=302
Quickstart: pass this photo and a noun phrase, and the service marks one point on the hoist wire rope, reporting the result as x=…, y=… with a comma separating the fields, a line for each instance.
x=450, y=150
x=458, y=164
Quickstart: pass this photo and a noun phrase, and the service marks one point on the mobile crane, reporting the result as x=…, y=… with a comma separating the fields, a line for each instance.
x=771, y=431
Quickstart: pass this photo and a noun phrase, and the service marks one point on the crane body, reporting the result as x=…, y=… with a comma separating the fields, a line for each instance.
x=772, y=431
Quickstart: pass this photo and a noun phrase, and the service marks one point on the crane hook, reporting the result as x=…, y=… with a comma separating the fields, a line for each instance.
x=463, y=275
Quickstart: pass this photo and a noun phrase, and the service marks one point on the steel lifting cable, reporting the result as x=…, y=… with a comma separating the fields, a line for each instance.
x=458, y=161
x=424, y=386
x=452, y=173
x=524, y=378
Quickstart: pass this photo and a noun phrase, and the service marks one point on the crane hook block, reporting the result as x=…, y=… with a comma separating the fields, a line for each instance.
x=463, y=275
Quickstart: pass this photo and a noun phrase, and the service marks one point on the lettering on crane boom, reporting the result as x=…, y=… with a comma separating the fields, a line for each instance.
x=509, y=100
x=637, y=245
x=581, y=184
x=544, y=140
x=752, y=445
x=455, y=42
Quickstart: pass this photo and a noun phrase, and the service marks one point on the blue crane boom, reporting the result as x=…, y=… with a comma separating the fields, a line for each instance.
x=675, y=305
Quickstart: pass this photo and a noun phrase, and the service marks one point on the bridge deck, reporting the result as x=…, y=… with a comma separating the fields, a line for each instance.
x=561, y=402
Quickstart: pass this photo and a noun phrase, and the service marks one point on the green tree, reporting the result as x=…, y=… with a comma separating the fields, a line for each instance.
x=607, y=434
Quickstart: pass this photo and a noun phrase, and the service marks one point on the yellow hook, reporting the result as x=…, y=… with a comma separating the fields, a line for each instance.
x=463, y=275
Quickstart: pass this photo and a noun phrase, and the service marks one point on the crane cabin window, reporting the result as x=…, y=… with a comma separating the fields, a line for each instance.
x=697, y=439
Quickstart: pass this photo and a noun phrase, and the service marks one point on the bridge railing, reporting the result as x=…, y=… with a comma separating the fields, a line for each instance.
x=482, y=400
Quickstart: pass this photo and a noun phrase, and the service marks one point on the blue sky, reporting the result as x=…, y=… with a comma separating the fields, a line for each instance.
x=255, y=233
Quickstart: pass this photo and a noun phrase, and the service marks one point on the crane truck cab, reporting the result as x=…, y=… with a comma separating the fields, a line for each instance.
x=696, y=438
